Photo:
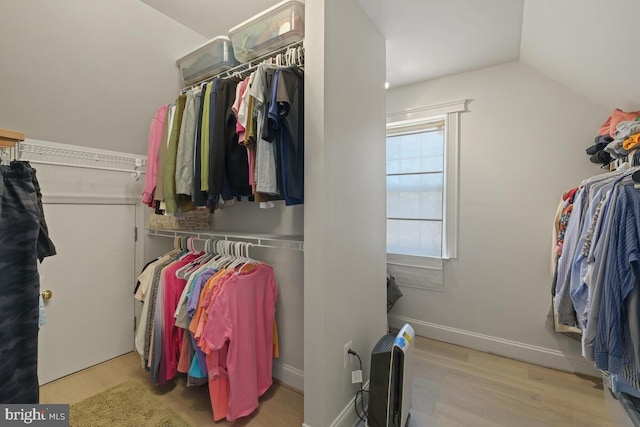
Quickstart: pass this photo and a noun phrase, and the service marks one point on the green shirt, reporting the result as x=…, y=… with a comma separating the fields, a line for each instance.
x=172, y=154
x=204, y=141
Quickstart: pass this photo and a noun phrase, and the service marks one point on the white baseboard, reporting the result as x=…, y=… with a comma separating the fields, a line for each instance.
x=348, y=416
x=289, y=375
x=542, y=356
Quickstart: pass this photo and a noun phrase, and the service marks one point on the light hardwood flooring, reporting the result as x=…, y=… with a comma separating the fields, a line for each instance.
x=280, y=406
x=453, y=386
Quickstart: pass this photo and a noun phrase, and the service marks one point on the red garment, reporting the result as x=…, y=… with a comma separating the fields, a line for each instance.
x=609, y=127
x=172, y=335
x=569, y=195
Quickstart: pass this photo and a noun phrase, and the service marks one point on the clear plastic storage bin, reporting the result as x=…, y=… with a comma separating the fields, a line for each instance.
x=212, y=58
x=272, y=29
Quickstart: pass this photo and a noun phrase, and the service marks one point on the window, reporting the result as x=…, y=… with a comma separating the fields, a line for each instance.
x=422, y=175
x=415, y=175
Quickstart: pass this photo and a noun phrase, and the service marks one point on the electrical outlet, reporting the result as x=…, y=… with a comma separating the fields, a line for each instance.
x=347, y=356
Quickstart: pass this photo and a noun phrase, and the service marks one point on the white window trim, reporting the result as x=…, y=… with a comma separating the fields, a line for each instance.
x=422, y=116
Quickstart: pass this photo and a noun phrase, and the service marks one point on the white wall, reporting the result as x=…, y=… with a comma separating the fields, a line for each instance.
x=249, y=217
x=344, y=224
x=587, y=46
x=89, y=73
x=522, y=145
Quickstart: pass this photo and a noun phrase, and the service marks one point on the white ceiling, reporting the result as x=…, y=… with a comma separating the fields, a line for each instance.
x=590, y=47
x=210, y=18
x=426, y=39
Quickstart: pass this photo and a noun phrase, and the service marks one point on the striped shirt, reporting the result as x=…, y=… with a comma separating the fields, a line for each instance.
x=578, y=288
x=614, y=347
x=596, y=271
x=563, y=303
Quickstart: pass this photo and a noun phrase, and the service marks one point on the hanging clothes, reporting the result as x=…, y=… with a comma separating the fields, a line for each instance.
x=162, y=155
x=171, y=157
x=23, y=241
x=286, y=113
x=597, y=283
x=230, y=139
x=233, y=321
x=155, y=139
x=199, y=195
x=212, y=318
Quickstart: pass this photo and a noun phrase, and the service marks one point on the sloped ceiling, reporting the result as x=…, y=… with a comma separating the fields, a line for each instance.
x=435, y=38
x=589, y=46
x=210, y=18
x=426, y=39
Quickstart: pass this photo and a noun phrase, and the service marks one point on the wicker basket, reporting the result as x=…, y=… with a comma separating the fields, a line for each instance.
x=193, y=220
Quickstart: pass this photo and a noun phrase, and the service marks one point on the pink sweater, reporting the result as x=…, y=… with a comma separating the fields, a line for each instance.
x=155, y=138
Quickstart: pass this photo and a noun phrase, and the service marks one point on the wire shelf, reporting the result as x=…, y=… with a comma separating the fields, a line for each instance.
x=28, y=147
x=258, y=240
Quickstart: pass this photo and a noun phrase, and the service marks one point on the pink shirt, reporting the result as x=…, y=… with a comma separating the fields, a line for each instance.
x=155, y=137
x=216, y=359
x=242, y=316
x=242, y=88
x=610, y=126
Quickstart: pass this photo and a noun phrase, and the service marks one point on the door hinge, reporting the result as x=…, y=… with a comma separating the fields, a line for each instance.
x=134, y=323
x=135, y=234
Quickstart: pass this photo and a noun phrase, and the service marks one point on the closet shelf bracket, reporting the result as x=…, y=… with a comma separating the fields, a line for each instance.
x=258, y=240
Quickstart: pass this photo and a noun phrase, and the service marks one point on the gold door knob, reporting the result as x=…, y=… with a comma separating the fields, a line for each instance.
x=47, y=294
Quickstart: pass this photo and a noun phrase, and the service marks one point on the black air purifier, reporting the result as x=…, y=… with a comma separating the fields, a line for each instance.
x=390, y=380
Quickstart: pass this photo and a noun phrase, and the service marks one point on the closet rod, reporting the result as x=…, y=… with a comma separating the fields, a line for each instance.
x=243, y=70
x=72, y=165
x=258, y=240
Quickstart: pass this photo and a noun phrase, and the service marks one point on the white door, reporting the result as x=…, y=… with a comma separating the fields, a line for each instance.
x=91, y=313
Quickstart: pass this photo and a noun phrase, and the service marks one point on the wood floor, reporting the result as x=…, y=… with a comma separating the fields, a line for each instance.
x=280, y=406
x=453, y=386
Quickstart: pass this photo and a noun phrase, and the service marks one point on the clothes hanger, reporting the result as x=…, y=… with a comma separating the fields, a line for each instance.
x=206, y=253
x=221, y=258
x=4, y=157
x=237, y=249
x=247, y=259
x=230, y=258
x=292, y=57
x=185, y=271
x=184, y=245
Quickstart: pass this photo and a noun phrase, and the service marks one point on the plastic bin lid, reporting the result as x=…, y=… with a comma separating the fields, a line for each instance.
x=265, y=12
x=207, y=43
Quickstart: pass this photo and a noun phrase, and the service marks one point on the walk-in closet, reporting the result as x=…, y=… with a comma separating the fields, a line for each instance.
x=319, y=213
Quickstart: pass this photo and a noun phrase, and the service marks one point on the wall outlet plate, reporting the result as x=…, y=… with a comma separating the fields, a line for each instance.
x=345, y=353
x=356, y=377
